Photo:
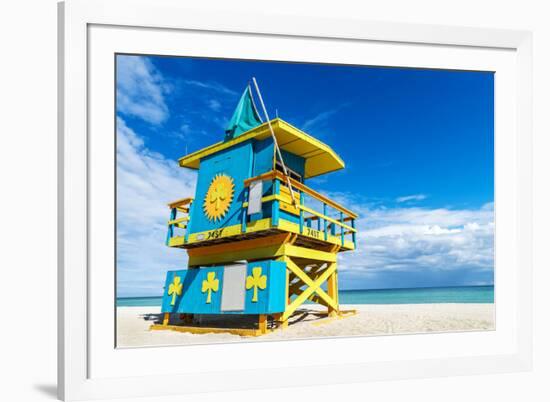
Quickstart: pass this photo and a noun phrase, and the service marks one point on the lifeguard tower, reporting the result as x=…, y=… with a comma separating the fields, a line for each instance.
x=260, y=242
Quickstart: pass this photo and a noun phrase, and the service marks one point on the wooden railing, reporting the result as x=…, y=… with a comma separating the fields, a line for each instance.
x=333, y=223
x=180, y=206
x=281, y=200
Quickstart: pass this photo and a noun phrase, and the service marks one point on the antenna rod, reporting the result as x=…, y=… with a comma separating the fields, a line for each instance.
x=274, y=140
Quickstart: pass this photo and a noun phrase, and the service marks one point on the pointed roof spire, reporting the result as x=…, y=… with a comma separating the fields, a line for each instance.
x=245, y=117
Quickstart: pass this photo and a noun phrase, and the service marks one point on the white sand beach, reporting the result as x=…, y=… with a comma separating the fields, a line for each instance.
x=133, y=324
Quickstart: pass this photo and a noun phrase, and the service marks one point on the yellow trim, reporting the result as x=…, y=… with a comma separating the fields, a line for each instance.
x=268, y=198
x=249, y=254
x=314, y=234
x=308, y=253
x=280, y=238
x=253, y=249
x=257, y=226
x=291, y=209
x=182, y=219
x=285, y=203
x=302, y=187
x=256, y=249
x=286, y=191
x=229, y=231
x=262, y=323
x=328, y=218
x=176, y=241
x=264, y=176
x=181, y=202
x=206, y=330
x=290, y=138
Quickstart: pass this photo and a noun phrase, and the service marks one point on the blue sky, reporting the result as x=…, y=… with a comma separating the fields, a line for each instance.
x=418, y=147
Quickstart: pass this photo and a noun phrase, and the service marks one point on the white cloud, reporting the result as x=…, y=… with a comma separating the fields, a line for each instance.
x=413, y=197
x=146, y=182
x=141, y=89
x=412, y=246
x=443, y=242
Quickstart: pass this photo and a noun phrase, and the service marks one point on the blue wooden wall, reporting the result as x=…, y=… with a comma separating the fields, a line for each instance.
x=263, y=156
x=294, y=162
x=235, y=162
x=240, y=162
x=193, y=300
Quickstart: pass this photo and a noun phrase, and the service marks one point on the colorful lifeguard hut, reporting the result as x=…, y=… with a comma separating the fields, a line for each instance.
x=260, y=242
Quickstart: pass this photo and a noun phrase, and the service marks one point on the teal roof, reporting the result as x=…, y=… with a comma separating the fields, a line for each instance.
x=245, y=117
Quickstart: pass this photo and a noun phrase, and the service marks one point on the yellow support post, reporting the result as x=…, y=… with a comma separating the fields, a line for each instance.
x=262, y=324
x=166, y=319
x=278, y=318
x=332, y=290
x=314, y=286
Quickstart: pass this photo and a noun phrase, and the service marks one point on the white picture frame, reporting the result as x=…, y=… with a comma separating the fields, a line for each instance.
x=83, y=340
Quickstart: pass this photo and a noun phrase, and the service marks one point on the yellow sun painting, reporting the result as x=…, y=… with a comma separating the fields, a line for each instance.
x=218, y=197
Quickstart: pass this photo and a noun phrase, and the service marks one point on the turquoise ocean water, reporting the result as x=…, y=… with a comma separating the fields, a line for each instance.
x=463, y=294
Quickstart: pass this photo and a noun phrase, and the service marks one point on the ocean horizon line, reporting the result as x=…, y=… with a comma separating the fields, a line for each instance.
x=443, y=294
x=351, y=290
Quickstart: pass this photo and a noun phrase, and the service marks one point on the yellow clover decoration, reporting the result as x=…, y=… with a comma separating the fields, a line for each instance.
x=210, y=284
x=175, y=289
x=256, y=281
x=218, y=197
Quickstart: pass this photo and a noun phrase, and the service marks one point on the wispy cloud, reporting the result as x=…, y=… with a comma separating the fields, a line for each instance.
x=320, y=121
x=212, y=86
x=185, y=129
x=141, y=90
x=146, y=182
x=413, y=197
x=190, y=134
x=214, y=105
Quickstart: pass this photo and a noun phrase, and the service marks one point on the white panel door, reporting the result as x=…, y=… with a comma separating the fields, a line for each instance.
x=233, y=289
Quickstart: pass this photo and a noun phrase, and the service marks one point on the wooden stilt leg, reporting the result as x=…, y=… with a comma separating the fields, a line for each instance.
x=262, y=323
x=332, y=290
x=284, y=323
x=166, y=319
x=337, y=295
